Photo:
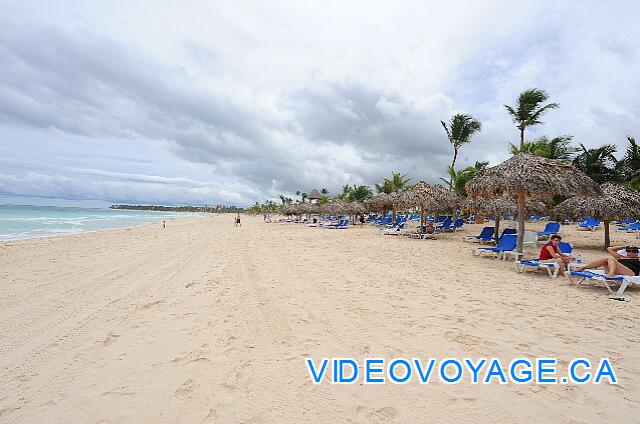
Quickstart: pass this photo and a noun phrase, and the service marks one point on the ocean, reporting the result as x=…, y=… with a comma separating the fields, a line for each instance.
x=21, y=222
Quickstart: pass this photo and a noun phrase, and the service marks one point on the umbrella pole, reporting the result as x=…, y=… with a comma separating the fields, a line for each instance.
x=520, y=221
x=607, y=240
x=421, y=218
x=497, y=228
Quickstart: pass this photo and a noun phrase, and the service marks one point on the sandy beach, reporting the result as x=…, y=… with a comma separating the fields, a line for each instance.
x=202, y=322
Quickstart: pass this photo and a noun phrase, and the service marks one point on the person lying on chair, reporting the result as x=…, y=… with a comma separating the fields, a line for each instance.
x=617, y=264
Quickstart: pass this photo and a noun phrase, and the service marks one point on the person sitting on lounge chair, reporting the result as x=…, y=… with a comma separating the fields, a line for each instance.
x=617, y=264
x=550, y=252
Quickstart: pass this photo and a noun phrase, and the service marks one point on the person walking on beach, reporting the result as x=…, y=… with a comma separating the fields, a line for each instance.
x=164, y=225
x=237, y=223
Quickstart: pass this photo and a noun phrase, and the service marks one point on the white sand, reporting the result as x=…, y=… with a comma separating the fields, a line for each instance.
x=206, y=323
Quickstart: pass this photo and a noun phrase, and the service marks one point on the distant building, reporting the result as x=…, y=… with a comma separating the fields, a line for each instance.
x=314, y=196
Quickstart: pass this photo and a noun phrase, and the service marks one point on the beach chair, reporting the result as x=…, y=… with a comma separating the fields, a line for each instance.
x=598, y=275
x=342, y=224
x=507, y=231
x=552, y=268
x=458, y=224
x=552, y=228
x=446, y=225
x=634, y=226
x=395, y=231
x=420, y=235
x=507, y=244
x=589, y=224
x=486, y=235
x=624, y=222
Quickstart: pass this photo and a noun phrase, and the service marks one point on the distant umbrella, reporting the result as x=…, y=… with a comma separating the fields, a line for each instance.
x=357, y=208
x=527, y=176
x=427, y=197
x=616, y=202
x=501, y=205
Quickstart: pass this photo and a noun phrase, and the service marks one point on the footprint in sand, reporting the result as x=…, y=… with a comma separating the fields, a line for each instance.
x=387, y=413
x=189, y=284
x=200, y=354
x=185, y=389
x=110, y=339
x=211, y=416
x=151, y=304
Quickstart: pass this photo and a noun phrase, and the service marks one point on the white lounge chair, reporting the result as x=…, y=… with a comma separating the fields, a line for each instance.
x=598, y=275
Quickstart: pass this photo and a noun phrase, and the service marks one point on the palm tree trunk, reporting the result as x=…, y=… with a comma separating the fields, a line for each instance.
x=453, y=167
x=520, y=221
x=521, y=138
x=607, y=239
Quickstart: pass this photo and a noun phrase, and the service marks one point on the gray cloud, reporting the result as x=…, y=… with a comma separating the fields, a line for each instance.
x=96, y=106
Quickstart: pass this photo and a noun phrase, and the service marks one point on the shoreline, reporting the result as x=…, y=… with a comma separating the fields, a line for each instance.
x=47, y=236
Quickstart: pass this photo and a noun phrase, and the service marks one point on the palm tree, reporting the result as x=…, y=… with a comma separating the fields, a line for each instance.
x=359, y=193
x=398, y=182
x=599, y=163
x=532, y=147
x=558, y=148
x=460, y=178
x=346, y=189
x=283, y=199
x=304, y=196
x=629, y=165
x=459, y=131
x=528, y=110
x=324, y=191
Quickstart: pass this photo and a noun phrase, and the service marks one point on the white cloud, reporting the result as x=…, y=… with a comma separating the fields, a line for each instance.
x=234, y=103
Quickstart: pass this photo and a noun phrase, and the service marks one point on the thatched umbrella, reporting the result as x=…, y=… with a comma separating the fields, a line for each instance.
x=381, y=202
x=433, y=198
x=335, y=207
x=616, y=202
x=527, y=176
x=357, y=208
x=501, y=205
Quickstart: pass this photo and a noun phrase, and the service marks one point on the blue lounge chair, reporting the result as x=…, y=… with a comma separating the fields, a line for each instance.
x=634, y=226
x=458, y=224
x=446, y=224
x=342, y=224
x=505, y=232
x=623, y=280
x=485, y=235
x=393, y=231
x=550, y=229
x=507, y=244
x=589, y=224
x=551, y=267
x=566, y=248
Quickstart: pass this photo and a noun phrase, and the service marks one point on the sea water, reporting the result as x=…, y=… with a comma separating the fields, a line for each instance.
x=20, y=222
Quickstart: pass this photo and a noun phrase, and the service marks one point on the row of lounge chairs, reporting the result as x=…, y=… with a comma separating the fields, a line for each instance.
x=506, y=246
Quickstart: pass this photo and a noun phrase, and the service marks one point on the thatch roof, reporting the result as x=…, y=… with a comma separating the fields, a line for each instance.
x=314, y=195
x=430, y=197
x=306, y=208
x=533, y=176
x=381, y=201
x=616, y=202
x=500, y=205
x=335, y=207
x=357, y=208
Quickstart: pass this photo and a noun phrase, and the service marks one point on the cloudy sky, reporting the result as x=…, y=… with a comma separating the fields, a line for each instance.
x=206, y=102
